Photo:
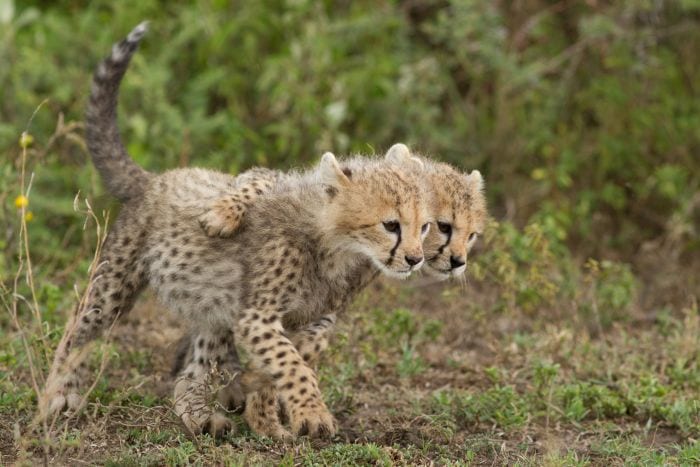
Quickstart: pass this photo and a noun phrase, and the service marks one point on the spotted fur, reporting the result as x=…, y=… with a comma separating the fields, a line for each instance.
x=300, y=253
x=458, y=209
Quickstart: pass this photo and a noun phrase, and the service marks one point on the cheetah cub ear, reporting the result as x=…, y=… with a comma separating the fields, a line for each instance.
x=331, y=173
x=399, y=154
x=476, y=180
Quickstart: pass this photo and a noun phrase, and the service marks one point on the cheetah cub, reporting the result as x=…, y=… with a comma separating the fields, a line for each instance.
x=294, y=256
x=457, y=206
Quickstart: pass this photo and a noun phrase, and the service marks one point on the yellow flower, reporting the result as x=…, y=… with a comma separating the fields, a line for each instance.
x=21, y=201
x=539, y=174
x=25, y=140
x=29, y=216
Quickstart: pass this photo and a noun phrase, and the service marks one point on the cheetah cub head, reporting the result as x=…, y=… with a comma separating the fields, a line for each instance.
x=458, y=207
x=377, y=208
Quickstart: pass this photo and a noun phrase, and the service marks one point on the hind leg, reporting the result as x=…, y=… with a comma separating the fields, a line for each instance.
x=119, y=278
x=209, y=381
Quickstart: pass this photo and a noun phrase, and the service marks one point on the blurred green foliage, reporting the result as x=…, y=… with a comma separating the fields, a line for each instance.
x=583, y=116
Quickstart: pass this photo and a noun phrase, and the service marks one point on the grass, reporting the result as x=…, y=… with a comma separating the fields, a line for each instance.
x=506, y=388
x=419, y=373
x=505, y=368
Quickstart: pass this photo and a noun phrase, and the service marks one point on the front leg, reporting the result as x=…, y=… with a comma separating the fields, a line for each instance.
x=262, y=405
x=262, y=414
x=312, y=340
x=224, y=216
x=294, y=381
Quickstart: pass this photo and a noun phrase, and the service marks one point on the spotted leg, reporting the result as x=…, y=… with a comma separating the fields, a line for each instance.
x=111, y=293
x=263, y=339
x=209, y=381
x=263, y=406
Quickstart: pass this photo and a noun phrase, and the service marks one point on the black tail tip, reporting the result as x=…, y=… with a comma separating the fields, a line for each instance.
x=138, y=32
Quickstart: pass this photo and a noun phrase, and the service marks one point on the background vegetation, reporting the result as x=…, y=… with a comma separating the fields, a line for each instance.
x=575, y=339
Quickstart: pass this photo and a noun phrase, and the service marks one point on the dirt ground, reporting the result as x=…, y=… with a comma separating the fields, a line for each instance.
x=418, y=374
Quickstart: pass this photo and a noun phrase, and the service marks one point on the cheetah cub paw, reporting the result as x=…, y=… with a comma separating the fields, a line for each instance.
x=222, y=219
x=316, y=422
x=59, y=396
x=215, y=424
x=264, y=425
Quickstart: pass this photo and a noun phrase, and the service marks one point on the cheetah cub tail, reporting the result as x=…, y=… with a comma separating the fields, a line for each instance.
x=124, y=179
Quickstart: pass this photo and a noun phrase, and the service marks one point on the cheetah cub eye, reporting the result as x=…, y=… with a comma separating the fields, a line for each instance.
x=445, y=227
x=392, y=226
x=425, y=228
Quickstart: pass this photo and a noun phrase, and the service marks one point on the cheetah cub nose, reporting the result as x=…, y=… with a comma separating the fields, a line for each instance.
x=456, y=262
x=413, y=260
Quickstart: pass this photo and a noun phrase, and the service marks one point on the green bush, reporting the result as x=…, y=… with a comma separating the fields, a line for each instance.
x=590, y=112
